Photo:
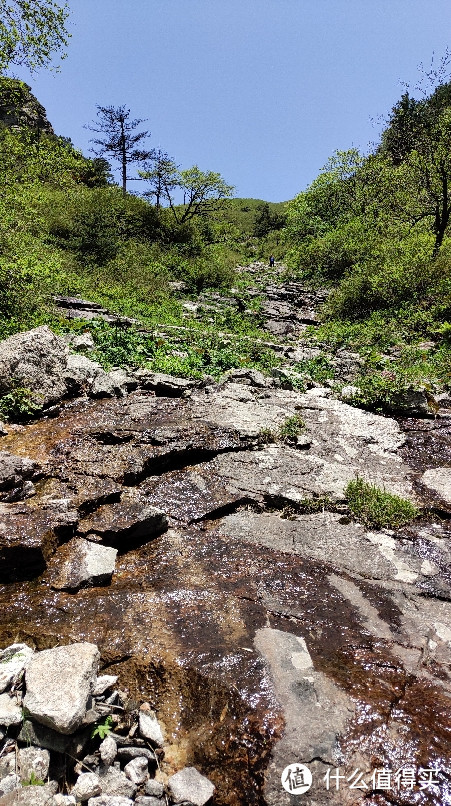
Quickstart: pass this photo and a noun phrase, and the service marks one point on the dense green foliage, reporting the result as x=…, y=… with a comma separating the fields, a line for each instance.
x=375, y=229
x=31, y=31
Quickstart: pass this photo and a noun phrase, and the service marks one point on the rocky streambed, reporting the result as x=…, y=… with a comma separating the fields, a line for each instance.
x=214, y=563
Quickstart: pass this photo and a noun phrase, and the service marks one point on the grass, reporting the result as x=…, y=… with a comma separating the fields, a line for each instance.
x=377, y=508
x=292, y=427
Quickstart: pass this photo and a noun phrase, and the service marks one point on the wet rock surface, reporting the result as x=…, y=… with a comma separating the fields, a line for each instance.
x=261, y=623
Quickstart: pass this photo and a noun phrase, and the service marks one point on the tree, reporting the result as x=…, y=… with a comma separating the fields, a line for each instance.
x=267, y=220
x=119, y=140
x=202, y=191
x=31, y=31
x=162, y=175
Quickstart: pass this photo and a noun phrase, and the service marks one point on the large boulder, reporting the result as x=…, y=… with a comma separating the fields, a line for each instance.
x=59, y=683
x=34, y=360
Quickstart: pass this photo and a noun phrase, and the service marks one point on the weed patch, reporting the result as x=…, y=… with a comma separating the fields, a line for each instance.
x=377, y=508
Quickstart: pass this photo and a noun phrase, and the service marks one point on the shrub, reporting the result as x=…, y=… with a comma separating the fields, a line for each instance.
x=377, y=508
x=292, y=427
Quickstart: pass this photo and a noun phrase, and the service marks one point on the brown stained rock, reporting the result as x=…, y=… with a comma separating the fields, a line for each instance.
x=190, y=494
x=80, y=563
x=29, y=535
x=129, y=520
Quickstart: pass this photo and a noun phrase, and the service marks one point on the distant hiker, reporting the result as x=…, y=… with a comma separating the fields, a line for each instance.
x=271, y=261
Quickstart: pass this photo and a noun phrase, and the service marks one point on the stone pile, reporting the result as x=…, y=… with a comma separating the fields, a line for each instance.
x=64, y=727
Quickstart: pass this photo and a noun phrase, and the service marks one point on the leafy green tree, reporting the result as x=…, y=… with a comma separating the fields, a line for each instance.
x=162, y=176
x=119, y=138
x=203, y=192
x=31, y=31
x=266, y=220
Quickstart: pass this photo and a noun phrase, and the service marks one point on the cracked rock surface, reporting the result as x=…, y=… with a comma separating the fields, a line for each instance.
x=218, y=570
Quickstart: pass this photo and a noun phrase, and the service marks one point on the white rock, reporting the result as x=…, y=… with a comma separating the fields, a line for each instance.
x=9, y=784
x=87, y=786
x=13, y=661
x=150, y=729
x=63, y=800
x=7, y=764
x=59, y=682
x=115, y=783
x=154, y=788
x=10, y=713
x=137, y=770
x=190, y=785
x=108, y=751
x=439, y=480
x=103, y=683
x=110, y=800
x=33, y=761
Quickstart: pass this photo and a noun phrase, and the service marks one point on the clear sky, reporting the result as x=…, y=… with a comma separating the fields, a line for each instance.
x=262, y=91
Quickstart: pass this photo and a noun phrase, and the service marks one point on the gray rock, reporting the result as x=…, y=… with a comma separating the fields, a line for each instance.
x=32, y=796
x=108, y=751
x=137, y=770
x=63, y=800
x=439, y=481
x=164, y=385
x=129, y=519
x=41, y=736
x=34, y=360
x=81, y=563
x=248, y=377
x=129, y=753
x=154, y=788
x=190, y=785
x=150, y=729
x=113, y=384
x=9, y=783
x=14, y=471
x=83, y=341
x=59, y=682
x=80, y=373
x=110, y=800
x=412, y=402
x=10, y=712
x=87, y=786
x=13, y=661
x=146, y=800
x=33, y=761
x=7, y=764
x=103, y=683
x=115, y=782
x=315, y=710
x=3, y=429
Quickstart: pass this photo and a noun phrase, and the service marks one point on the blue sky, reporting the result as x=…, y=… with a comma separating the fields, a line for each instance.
x=262, y=91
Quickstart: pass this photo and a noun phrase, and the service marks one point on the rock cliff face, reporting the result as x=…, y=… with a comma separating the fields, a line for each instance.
x=19, y=107
x=269, y=627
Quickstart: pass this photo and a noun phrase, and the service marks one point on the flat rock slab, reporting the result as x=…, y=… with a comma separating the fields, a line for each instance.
x=316, y=711
x=439, y=481
x=81, y=563
x=58, y=685
x=130, y=519
x=29, y=535
x=325, y=538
